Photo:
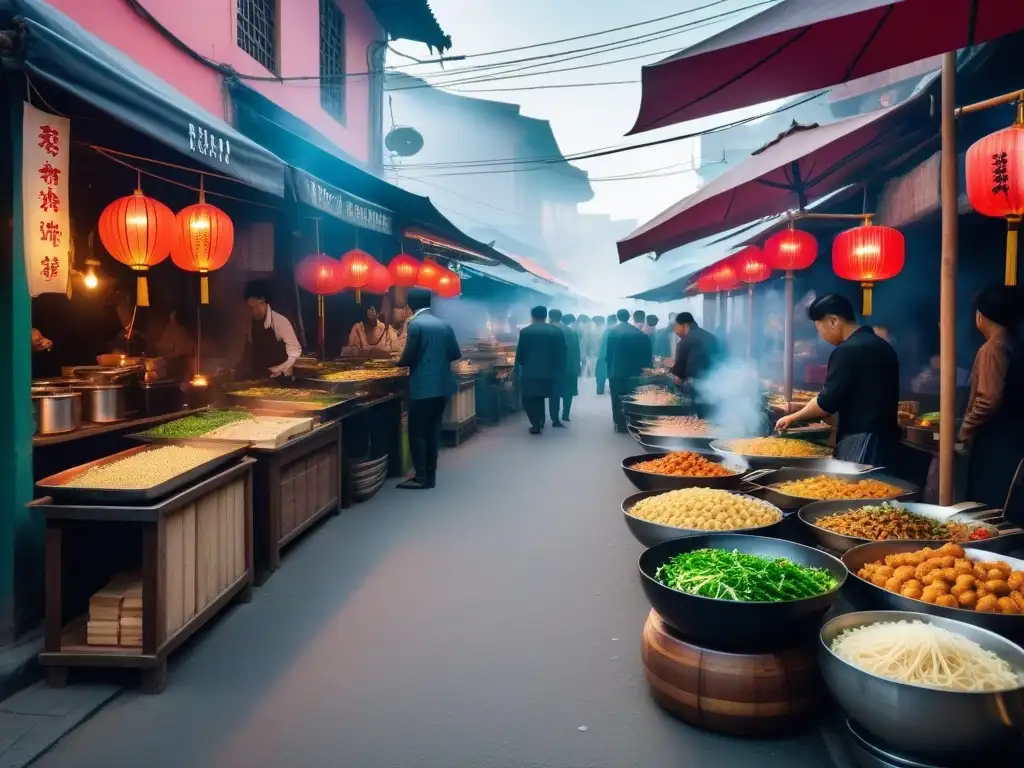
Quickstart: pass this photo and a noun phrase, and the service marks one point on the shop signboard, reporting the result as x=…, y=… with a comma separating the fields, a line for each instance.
x=46, y=146
x=343, y=205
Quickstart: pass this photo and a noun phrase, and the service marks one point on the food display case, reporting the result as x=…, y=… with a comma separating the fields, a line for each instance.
x=191, y=546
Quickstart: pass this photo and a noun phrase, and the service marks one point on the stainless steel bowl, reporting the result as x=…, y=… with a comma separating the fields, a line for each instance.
x=923, y=720
x=102, y=403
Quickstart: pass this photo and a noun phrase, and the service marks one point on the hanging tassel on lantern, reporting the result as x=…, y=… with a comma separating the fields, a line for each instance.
x=204, y=288
x=142, y=290
x=1012, y=228
x=869, y=291
x=320, y=325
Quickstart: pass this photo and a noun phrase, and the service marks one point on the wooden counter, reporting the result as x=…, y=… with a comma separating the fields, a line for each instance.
x=296, y=485
x=196, y=556
x=116, y=427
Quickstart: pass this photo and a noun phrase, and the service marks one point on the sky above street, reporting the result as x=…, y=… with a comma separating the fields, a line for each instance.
x=596, y=116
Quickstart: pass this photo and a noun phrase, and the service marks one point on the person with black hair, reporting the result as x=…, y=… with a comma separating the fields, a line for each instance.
x=430, y=350
x=993, y=424
x=651, y=326
x=573, y=365
x=601, y=367
x=640, y=320
x=540, y=363
x=862, y=386
x=697, y=350
x=629, y=351
x=271, y=346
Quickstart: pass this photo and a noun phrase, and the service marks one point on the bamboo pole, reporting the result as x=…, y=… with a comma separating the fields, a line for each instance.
x=750, y=321
x=947, y=285
x=996, y=101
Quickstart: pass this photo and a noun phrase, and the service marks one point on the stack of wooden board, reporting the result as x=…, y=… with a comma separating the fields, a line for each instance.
x=115, y=613
x=262, y=431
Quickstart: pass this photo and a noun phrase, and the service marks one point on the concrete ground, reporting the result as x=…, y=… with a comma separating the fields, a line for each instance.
x=492, y=623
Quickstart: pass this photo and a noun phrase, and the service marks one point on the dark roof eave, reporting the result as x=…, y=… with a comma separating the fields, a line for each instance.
x=411, y=20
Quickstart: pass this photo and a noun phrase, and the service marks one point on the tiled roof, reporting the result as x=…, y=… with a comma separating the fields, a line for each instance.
x=411, y=20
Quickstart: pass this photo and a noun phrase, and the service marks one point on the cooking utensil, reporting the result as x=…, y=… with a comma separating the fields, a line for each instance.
x=56, y=411
x=730, y=623
x=650, y=481
x=633, y=408
x=101, y=403
x=775, y=462
x=55, y=486
x=839, y=542
x=928, y=721
x=867, y=594
x=769, y=485
x=105, y=374
x=650, y=534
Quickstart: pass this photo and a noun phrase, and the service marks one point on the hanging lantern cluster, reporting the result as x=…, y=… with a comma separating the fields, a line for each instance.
x=141, y=232
x=750, y=266
x=995, y=183
x=868, y=254
x=719, y=278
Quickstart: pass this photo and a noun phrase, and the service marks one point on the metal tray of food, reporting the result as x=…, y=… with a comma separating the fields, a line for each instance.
x=633, y=408
x=972, y=514
x=769, y=486
x=372, y=385
x=284, y=405
x=722, y=446
x=873, y=597
x=55, y=486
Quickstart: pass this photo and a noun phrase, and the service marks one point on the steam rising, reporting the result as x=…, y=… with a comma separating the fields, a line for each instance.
x=732, y=391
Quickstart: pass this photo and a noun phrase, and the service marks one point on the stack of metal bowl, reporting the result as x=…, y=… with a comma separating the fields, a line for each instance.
x=368, y=477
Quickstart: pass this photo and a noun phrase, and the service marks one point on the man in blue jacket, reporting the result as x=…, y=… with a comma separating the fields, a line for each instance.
x=430, y=350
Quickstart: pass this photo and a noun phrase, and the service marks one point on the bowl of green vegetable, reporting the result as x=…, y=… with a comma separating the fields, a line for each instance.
x=739, y=591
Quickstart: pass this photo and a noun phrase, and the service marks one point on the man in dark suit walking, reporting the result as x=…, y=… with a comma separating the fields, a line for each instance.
x=629, y=352
x=430, y=350
x=540, y=361
x=568, y=386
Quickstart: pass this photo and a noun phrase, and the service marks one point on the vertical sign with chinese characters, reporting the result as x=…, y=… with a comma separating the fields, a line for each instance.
x=45, y=200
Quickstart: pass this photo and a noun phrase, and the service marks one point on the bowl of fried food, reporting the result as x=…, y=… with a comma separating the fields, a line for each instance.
x=942, y=579
x=657, y=516
x=681, y=469
x=774, y=452
x=792, y=488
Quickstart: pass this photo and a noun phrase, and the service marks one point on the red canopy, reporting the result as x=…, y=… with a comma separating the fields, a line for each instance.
x=805, y=45
x=804, y=163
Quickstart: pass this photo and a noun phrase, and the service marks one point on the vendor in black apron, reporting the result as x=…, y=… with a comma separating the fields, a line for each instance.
x=271, y=347
x=862, y=386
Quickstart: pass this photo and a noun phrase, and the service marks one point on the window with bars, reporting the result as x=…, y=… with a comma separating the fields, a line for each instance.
x=332, y=59
x=257, y=30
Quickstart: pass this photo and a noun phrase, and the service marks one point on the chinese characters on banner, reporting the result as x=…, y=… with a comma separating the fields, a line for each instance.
x=46, y=145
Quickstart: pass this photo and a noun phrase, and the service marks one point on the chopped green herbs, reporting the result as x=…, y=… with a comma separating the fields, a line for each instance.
x=197, y=425
x=725, y=575
x=286, y=393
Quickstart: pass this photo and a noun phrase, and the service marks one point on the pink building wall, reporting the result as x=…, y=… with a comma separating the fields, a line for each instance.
x=208, y=27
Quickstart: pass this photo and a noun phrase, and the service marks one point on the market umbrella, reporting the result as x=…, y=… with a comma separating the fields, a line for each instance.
x=804, y=163
x=805, y=45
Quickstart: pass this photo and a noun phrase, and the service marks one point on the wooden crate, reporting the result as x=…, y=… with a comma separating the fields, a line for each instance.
x=196, y=556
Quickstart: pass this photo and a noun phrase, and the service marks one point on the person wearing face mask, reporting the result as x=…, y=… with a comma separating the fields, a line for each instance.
x=993, y=424
x=862, y=386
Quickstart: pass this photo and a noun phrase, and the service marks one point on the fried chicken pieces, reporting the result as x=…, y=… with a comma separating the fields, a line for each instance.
x=947, y=577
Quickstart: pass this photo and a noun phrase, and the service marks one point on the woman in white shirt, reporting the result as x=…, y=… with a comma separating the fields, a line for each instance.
x=372, y=333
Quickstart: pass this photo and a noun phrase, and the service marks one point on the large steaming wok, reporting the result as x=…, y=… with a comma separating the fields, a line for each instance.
x=651, y=481
x=775, y=462
x=671, y=443
x=769, y=484
x=649, y=534
x=970, y=513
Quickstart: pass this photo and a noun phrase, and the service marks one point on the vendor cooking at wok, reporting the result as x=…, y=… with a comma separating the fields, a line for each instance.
x=271, y=346
x=861, y=386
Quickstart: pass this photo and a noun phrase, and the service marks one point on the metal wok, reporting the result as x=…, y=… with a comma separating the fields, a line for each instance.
x=769, y=486
x=670, y=443
x=650, y=534
x=869, y=596
x=971, y=513
x=732, y=624
x=772, y=462
x=633, y=408
x=651, y=481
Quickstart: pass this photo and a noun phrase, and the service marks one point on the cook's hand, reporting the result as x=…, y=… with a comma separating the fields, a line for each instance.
x=276, y=371
x=785, y=422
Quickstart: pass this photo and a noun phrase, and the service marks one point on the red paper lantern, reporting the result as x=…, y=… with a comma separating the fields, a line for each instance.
x=995, y=183
x=790, y=250
x=206, y=237
x=868, y=254
x=139, y=232
x=380, y=280
x=719, y=278
x=356, y=266
x=319, y=274
x=750, y=266
x=429, y=274
x=449, y=284
x=404, y=269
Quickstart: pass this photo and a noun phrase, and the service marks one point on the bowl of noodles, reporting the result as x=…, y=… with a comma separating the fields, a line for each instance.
x=926, y=684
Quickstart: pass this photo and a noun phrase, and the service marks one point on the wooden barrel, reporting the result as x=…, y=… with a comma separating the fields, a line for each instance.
x=758, y=694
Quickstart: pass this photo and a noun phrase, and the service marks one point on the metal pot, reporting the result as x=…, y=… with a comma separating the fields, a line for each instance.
x=102, y=403
x=55, y=411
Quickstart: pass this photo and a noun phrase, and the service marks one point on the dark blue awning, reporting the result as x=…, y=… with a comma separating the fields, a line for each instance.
x=329, y=180
x=58, y=50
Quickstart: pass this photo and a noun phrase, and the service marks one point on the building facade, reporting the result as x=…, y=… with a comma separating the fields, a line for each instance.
x=313, y=58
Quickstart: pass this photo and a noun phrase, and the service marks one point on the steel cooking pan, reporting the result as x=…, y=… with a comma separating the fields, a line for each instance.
x=731, y=624
x=633, y=408
x=651, y=481
x=670, y=443
x=971, y=513
x=869, y=596
x=721, y=446
x=769, y=486
x=650, y=534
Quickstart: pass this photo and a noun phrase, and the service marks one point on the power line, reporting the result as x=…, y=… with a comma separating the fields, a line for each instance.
x=551, y=86
x=586, y=155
